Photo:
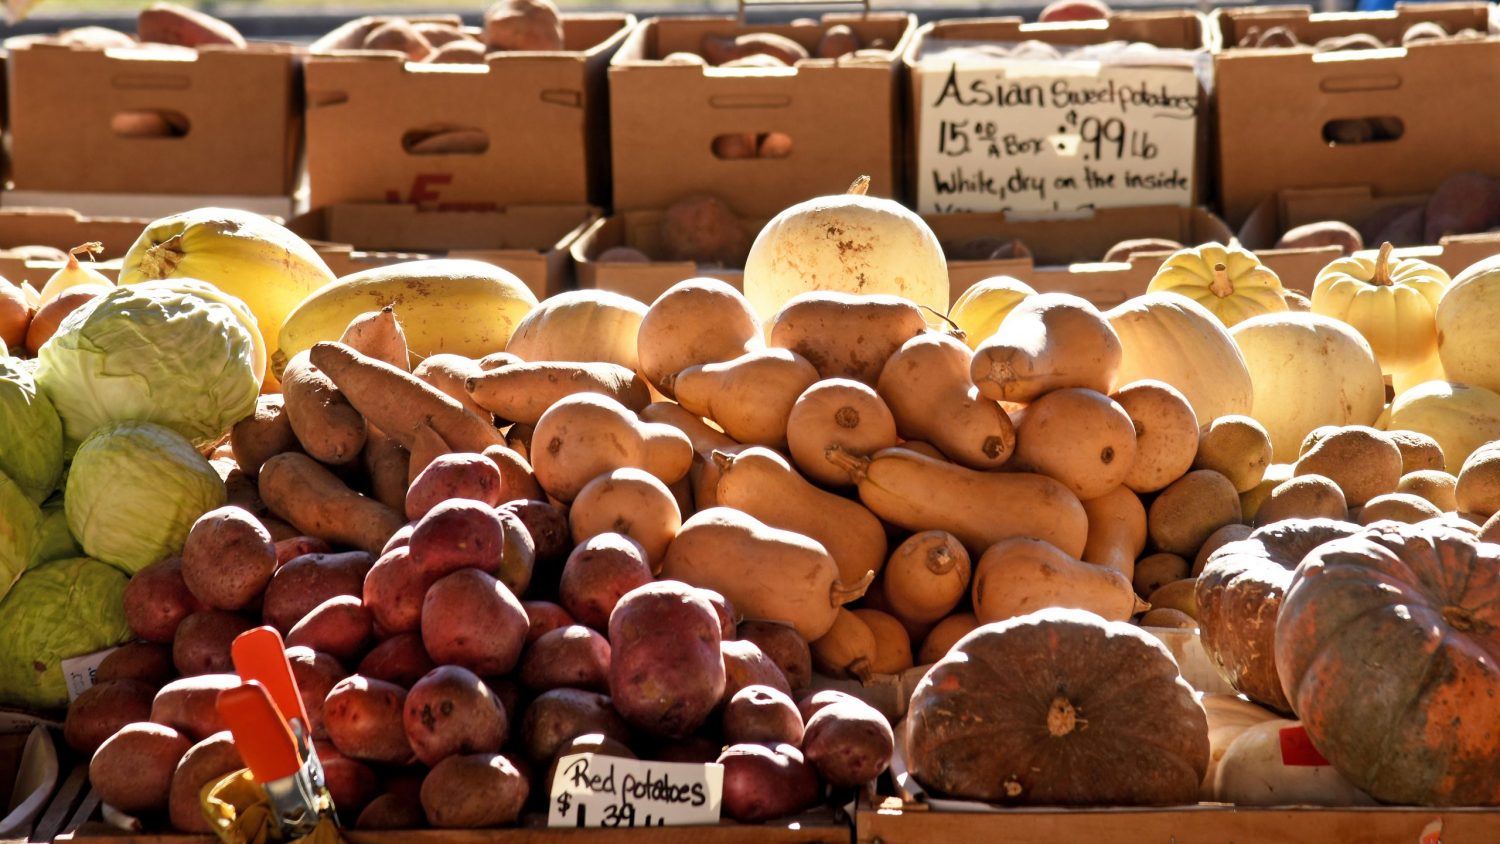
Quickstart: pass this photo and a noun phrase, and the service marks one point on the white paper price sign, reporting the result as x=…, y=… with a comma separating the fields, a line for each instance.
x=606, y=791
x=1011, y=135
x=78, y=671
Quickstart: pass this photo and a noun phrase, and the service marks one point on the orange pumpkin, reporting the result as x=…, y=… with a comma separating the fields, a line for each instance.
x=1388, y=647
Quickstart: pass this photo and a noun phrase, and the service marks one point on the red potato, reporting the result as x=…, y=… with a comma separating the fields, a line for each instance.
x=468, y=476
x=297, y=546
x=598, y=574
x=470, y=792
x=517, y=553
x=666, y=673
x=363, y=717
x=762, y=715
x=745, y=665
x=144, y=662
x=547, y=525
x=157, y=600
x=316, y=675
x=561, y=715
x=392, y=811
x=201, y=645
x=191, y=704
x=517, y=480
x=544, y=617
x=132, y=769
x=399, y=539
x=765, y=782
x=351, y=783
x=849, y=743
x=572, y=657
x=595, y=743
x=785, y=647
x=400, y=659
x=471, y=619
x=451, y=711
x=724, y=610
x=102, y=709
x=341, y=627
x=394, y=590
x=458, y=534
x=304, y=582
x=228, y=559
x=205, y=762
x=815, y=702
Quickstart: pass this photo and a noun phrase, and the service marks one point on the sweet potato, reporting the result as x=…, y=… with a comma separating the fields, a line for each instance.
x=849, y=743
x=191, y=704
x=144, y=662
x=349, y=35
x=762, y=715
x=478, y=790
x=450, y=373
x=228, y=559
x=263, y=435
x=458, y=52
x=388, y=464
x=561, y=715
x=598, y=573
x=722, y=49
x=427, y=445
x=398, y=35
x=764, y=782
x=703, y=229
x=201, y=645
x=400, y=659
x=838, y=40
x=745, y=665
x=317, y=503
x=784, y=646
x=439, y=33
x=102, y=709
x=326, y=424
x=1121, y=252
x=471, y=619
x=572, y=657
x=517, y=480
x=169, y=23
x=666, y=673
x=132, y=769
x=523, y=25
x=316, y=675
x=340, y=627
x=394, y=590
x=451, y=711
x=378, y=334
x=364, y=719
x=522, y=392
x=157, y=600
x=467, y=476
x=304, y=582
x=204, y=762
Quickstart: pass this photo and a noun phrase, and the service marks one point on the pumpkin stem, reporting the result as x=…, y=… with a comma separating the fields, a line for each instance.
x=1062, y=718
x=953, y=328
x=859, y=187
x=1221, y=286
x=840, y=594
x=91, y=248
x=855, y=465
x=161, y=260
x=1382, y=277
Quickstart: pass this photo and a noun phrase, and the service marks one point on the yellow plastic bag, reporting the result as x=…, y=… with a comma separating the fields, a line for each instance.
x=240, y=813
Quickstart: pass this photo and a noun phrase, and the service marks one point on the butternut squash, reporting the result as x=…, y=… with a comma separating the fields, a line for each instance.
x=1080, y=437
x=848, y=650
x=760, y=482
x=585, y=435
x=924, y=449
x=916, y=492
x=749, y=397
x=892, y=644
x=1166, y=433
x=581, y=326
x=1176, y=340
x=695, y=321
x=926, y=577
x=522, y=392
x=628, y=501
x=926, y=385
x=1117, y=530
x=765, y=572
x=703, y=477
x=1047, y=342
x=945, y=635
x=845, y=335
x=1019, y=576
x=841, y=412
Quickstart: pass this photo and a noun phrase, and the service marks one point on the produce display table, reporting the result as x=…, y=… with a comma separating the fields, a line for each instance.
x=727, y=833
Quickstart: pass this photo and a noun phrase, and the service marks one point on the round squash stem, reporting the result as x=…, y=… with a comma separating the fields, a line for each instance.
x=841, y=594
x=940, y=560
x=161, y=260
x=1221, y=286
x=860, y=187
x=1062, y=718
x=91, y=248
x=722, y=459
x=1382, y=276
x=855, y=465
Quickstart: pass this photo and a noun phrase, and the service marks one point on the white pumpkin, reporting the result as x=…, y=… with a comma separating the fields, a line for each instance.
x=850, y=243
x=1468, y=326
x=1461, y=417
x=1171, y=338
x=1228, y=717
x=581, y=326
x=1253, y=772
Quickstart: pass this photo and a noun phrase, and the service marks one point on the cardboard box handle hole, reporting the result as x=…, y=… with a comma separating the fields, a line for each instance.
x=446, y=140
x=736, y=146
x=149, y=123
x=1357, y=131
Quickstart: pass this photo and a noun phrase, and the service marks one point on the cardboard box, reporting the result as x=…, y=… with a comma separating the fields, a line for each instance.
x=1299, y=268
x=1275, y=105
x=62, y=229
x=238, y=112
x=642, y=230
x=988, y=132
x=542, y=115
x=1066, y=252
x=842, y=115
x=149, y=206
x=530, y=241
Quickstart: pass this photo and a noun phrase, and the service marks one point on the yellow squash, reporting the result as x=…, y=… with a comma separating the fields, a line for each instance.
x=981, y=308
x=1227, y=280
x=1392, y=303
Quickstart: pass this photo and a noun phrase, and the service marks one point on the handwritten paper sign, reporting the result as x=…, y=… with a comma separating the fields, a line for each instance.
x=591, y=790
x=79, y=671
x=1038, y=136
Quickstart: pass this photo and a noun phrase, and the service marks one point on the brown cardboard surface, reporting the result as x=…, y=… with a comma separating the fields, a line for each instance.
x=1298, y=268
x=843, y=116
x=242, y=107
x=544, y=116
x=1273, y=104
x=61, y=229
x=150, y=206
x=1066, y=252
x=530, y=241
x=642, y=230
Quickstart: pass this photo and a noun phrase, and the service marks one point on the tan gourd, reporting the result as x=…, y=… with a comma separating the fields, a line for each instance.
x=848, y=650
x=749, y=397
x=841, y=412
x=1166, y=433
x=627, y=501
x=1434, y=485
x=1169, y=618
x=926, y=577
x=765, y=572
x=581, y=326
x=1047, y=342
x=846, y=335
x=1155, y=571
x=926, y=385
x=1020, y=576
x=695, y=321
x=760, y=482
x=916, y=492
x=1178, y=595
x=945, y=635
x=1080, y=437
x=1117, y=530
x=892, y=643
x=585, y=435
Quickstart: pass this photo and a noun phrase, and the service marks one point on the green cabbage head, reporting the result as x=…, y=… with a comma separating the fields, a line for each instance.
x=20, y=523
x=63, y=609
x=31, y=445
x=133, y=492
x=150, y=353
